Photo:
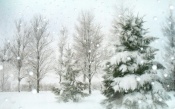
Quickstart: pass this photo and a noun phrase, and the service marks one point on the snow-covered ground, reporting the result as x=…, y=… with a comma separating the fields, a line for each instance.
x=47, y=100
x=171, y=102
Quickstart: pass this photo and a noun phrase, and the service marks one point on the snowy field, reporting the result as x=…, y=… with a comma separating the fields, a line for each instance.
x=47, y=100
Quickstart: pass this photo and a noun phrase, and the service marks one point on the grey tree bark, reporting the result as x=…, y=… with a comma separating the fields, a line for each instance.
x=20, y=51
x=41, y=52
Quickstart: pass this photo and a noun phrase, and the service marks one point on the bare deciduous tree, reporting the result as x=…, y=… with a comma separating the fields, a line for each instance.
x=87, y=39
x=169, y=32
x=5, y=57
x=19, y=50
x=61, y=48
x=40, y=58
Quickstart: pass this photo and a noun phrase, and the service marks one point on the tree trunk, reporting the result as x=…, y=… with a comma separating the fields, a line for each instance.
x=84, y=78
x=38, y=79
x=174, y=82
x=38, y=74
x=90, y=85
x=19, y=79
x=89, y=78
x=60, y=79
x=38, y=86
x=19, y=84
x=3, y=79
x=85, y=71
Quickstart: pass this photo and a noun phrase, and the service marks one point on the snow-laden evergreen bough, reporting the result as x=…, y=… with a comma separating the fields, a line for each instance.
x=134, y=81
x=70, y=89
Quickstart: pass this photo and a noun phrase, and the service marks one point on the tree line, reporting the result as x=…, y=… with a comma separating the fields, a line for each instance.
x=31, y=54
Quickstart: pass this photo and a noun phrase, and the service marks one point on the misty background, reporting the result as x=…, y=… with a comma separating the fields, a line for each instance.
x=66, y=12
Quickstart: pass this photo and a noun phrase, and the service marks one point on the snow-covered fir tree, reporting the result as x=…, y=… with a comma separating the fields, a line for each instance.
x=133, y=81
x=70, y=88
x=169, y=32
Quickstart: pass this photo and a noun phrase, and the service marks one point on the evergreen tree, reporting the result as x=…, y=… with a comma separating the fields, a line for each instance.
x=70, y=88
x=169, y=32
x=134, y=80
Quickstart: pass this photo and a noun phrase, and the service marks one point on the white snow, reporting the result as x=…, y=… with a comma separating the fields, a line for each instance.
x=46, y=100
x=125, y=83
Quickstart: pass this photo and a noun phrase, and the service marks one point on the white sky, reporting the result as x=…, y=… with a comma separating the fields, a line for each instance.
x=66, y=12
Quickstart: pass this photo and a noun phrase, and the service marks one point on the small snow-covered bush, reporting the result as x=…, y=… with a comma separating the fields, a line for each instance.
x=70, y=91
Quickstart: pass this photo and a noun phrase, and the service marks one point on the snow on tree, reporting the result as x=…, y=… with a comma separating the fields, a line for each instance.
x=87, y=39
x=5, y=57
x=61, y=48
x=70, y=88
x=20, y=51
x=40, y=58
x=169, y=32
x=134, y=80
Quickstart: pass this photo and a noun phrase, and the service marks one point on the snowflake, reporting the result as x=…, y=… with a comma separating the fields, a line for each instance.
x=31, y=73
x=154, y=67
x=128, y=58
x=139, y=101
x=18, y=58
x=160, y=99
x=165, y=75
x=6, y=99
x=171, y=7
x=1, y=67
x=138, y=78
x=155, y=18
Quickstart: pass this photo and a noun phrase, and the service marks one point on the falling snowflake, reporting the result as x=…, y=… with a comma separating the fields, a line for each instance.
x=154, y=67
x=141, y=49
x=142, y=61
x=155, y=18
x=119, y=16
x=169, y=23
x=160, y=99
x=152, y=83
x=128, y=58
x=18, y=58
x=171, y=7
x=31, y=73
x=138, y=78
x=6, y=99
x=139, y=101
x=165, y=75
x=1, y=67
